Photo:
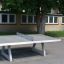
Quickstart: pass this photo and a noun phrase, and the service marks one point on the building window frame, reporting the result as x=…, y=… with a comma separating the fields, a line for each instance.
x=22, y=21
x=8, y=17
x=62, y=20
x=14, y=19
x=53, y=20
x=33, y=20
x=27, y=19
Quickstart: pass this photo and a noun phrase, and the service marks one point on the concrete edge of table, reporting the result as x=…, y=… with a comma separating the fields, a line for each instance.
x=29, y=42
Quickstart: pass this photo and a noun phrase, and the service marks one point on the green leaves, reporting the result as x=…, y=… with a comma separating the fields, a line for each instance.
x=61, y=6
x=12, y=5
x=32, y=6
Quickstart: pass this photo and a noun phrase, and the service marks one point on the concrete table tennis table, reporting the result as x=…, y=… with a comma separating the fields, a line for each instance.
x=20, y=39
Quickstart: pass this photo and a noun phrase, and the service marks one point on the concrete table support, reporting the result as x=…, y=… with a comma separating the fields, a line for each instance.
x=7, y=56
x=43, y=52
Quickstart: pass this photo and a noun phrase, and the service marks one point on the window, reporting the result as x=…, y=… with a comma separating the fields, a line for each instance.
x=46, y=19
x=24, y=19
x=11, y=18
x=35, y=20
x=8, y=18
x=55, y=19
x=30, y=19
x=62, y=19
x=51, y=19
x=4, y=18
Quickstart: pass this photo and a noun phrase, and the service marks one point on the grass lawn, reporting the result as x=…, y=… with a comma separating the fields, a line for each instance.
x=55, y=33
x=7, y=33
x=13, y=33
x=49, y=33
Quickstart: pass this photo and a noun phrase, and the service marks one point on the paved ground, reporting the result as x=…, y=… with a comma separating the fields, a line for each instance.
x=22, y=55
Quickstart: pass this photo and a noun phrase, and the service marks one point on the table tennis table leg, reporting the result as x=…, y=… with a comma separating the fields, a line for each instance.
x=43, y=49
x=10, y=53
x=39, y=51
x=34, y=45
x=7, y=56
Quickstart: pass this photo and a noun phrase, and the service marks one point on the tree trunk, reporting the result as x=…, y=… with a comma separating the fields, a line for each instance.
x=40, y=24
x=18, y=21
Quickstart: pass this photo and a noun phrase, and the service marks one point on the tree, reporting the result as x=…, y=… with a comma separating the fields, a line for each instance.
x=42, y=8
x=38, y=7
x=61, y=6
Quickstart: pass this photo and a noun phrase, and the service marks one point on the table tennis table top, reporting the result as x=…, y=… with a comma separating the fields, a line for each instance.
x=8, y=40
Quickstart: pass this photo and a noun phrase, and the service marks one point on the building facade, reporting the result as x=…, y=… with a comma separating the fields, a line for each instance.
x=9, y=22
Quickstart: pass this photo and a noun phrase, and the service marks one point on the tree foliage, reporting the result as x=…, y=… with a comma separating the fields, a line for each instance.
x=61, y=6
x=31, y=6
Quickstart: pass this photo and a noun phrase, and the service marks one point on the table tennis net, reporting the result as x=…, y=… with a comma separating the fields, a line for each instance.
x=25, y=36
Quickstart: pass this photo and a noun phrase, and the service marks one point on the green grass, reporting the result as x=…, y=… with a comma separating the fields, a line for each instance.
x=49, y=33
x=55, y=33
x=7, y=33
x=13, y=33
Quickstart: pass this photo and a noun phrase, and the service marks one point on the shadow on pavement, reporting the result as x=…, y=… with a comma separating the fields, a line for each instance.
x=23, y=52
x=20, y=53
